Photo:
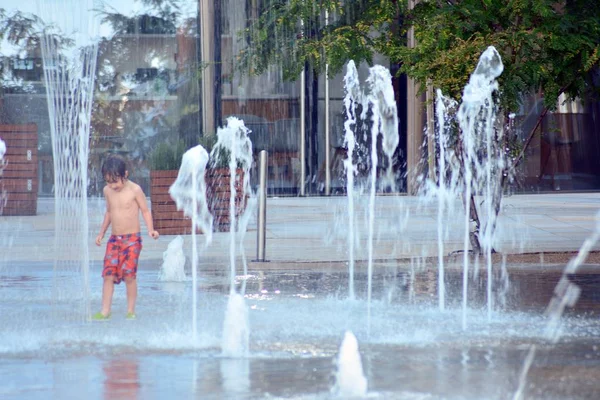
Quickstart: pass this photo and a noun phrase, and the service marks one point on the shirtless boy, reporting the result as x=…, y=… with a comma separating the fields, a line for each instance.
x=124, y=201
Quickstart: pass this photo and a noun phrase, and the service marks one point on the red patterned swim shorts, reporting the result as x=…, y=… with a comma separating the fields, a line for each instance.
x=122, y=254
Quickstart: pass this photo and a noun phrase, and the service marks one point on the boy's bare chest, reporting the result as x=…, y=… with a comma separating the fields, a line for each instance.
x=123, y=202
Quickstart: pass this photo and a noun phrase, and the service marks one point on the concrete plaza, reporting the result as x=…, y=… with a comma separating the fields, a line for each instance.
x=314, y=230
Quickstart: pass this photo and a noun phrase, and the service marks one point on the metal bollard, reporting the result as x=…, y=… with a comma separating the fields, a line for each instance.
x=262, y=207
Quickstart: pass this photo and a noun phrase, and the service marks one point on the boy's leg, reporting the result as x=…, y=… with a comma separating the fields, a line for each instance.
x=108, y=289
x=130, y=264
x=110, y=274
x=131, y=284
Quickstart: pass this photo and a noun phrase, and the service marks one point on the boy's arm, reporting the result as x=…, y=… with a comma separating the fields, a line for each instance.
x=140, y=197
x=105, y=221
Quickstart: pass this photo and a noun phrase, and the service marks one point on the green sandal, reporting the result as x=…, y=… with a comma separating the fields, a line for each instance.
x=100, y=317
x=130, y=315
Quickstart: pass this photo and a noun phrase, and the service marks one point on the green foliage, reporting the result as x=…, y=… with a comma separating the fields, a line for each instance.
x=24, y=31
x=20, y=29
x=356, y=30
x=164, y=13
x=208, y=142
x=218, y=157
x=166, y=156
x=545, y=46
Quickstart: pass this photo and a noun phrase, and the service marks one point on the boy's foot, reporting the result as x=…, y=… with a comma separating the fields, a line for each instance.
x=100, y=317
x=130, y=315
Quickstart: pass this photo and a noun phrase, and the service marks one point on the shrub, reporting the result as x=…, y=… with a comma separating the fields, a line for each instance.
x=167, y=156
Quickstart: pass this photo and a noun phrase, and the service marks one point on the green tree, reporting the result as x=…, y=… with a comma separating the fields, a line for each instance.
x=547, y=46
x=22, y=32
x=290, y=33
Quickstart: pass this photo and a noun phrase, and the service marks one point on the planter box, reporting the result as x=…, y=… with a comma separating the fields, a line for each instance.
x=218, y=193
x=19, y=178
x=169, y=221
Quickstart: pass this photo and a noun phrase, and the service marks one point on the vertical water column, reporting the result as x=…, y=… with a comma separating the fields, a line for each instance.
x=234, y=146
x=352, y=98
x=350, y=381
x=233, y=150
x=189, y=192
x=442, y=138
x=482, y=155
x=385, y=123
x=69, y=47
x=448, y=187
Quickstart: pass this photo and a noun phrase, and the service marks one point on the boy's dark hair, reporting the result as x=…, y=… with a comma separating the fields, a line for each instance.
x=114, y=167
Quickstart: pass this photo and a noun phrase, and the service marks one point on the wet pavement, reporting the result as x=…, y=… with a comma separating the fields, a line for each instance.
x=298, y=311
x=408, y=347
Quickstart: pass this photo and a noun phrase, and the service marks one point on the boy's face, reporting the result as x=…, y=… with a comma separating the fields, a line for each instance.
x=115, y=183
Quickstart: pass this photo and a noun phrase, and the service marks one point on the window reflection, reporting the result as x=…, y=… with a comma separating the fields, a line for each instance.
x=168, y=70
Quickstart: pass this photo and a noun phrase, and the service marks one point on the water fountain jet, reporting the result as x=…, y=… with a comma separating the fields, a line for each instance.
x=236, y=333
x=350, y=380
x=189, y=193
x=234, y=145
x=351, y=99
x=69, y=73
x=173, y=266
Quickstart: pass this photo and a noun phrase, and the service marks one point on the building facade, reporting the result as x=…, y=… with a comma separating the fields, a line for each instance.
x=167, y=74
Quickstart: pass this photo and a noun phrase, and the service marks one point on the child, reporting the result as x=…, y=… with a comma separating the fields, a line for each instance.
x=124, y=201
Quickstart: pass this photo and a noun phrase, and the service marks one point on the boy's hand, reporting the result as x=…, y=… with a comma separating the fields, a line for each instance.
x=154, y=234
x=99, y=240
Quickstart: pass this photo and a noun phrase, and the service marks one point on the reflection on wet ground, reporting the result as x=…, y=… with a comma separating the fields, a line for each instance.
x=521, y=290
x=411, y=350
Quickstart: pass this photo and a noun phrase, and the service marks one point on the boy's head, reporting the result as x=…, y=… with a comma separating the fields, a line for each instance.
x=114, y=171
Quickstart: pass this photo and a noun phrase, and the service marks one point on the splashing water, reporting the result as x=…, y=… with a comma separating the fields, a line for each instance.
x=69, y=72
x=380, y=100
x=352, y=98
x=349, y=379
x=173, y=266
x=472, y=170
x=385, y=122
x=385, y=115
x=189, y=193
x=447, y=186
x=236, y=333
x=242, y=224
x=234, y=145
x=476, y=117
